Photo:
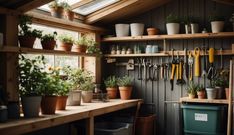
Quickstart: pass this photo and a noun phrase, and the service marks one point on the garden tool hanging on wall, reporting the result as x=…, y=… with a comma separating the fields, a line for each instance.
x=211, y=71
x=185, y=65
x=197, y=62
x=221, y=69
x=173, y=68
x=140, y=62
x=180, y=80
x=190, y=63
x=204, y=73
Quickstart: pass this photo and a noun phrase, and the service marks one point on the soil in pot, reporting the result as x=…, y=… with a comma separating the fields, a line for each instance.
x=65, y=46
x=227, y=93
x=69, y=15
x=48, y=45
x=112, y=93
x=152, y=31
x=61, y=103
x=74, y=98
x=211, y=93
x=87, y=96
x=57, y=12
x=201, y=94
x=48, y=104
x=217, y=26
x=31, y=106
x=125, y=92
x=80, y=48
x=26, y=41
x=173, y=28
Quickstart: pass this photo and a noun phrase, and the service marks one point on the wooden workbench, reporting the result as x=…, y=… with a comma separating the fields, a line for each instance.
x=73, y=113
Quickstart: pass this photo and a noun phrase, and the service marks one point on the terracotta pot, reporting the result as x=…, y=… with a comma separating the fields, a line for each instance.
x=65, y=47
x=26, y=41
x=112, y=93
x=87, y=96
x=125, y=92
x=57, y=12
x=69, y=15
x=201, y=94
x=48, y=104
x=48, y=45
x=80, y=48
x=227, y=93
x=61, y=103
x=145, y=124
x=191, y=96
x=152, y=31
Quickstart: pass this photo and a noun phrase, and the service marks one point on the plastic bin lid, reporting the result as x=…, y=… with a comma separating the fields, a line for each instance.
x=204, y=107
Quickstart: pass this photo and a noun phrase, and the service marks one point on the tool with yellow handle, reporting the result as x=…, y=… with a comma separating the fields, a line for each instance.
x=212, y=71
x=173, y=66
x=211, y=55
x=197, y=62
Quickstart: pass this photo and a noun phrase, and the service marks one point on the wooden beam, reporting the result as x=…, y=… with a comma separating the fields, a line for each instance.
x=33, y=4
x=90, y=126
x=80, y=3
x=228, y=2
x=9, y=11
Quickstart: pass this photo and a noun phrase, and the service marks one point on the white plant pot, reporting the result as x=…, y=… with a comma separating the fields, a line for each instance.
x=173, y=28
x=217, y=26
x=87, y=96
x=137, y=29
x=194, y=28
x=122, y=30
x=211, y=93
x=74, y=98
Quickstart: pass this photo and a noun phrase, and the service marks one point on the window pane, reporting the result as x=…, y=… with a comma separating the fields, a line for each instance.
x=62, y=61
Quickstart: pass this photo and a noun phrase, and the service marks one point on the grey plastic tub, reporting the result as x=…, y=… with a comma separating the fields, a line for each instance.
x=112, y=128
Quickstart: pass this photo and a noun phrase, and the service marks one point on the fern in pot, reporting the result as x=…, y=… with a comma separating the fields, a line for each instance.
x=172, y=24
x=81, y=45
x=192, y=89
x=111, y=87
x=125, y=87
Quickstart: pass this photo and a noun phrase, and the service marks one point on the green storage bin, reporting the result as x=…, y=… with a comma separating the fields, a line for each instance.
x=204, y=119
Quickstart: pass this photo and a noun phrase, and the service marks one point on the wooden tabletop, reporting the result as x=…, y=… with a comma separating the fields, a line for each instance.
x=73, y=113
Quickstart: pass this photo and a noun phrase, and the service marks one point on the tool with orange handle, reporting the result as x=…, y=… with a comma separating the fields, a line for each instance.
x=173, y=68
x=197, y=62
x=211, y=72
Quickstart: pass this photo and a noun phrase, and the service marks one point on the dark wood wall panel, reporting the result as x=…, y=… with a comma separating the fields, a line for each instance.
x=159, y=92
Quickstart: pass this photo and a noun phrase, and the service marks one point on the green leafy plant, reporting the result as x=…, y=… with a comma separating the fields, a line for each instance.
x=49, y=37
x=216, y=18
x=172, y=19
x=111, y=82
x=92, y=47
x=200, y=88
x=65, y=39
x=25, y=29
x=55, y=4
x=87, y=86
x=192, y=88
x=31, y=75
x=82, y=41
x=219, y=81
x=124, y=81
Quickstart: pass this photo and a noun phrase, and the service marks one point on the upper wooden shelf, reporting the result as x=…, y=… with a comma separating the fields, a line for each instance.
x=211, y=101
x=176, y=36
x=12, y=49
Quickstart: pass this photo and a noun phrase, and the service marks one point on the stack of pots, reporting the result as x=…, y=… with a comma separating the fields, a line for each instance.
x=122, y=30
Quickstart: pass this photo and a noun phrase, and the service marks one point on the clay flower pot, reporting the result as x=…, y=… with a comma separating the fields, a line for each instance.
x=57, y=12
x=26, y=41
x=69, y=15
x=125, y=92
x=61, y=103
x=48, y=45
x=65, y=46
x=191, y=96
x=80, y=48
x=201, y=94
x=112, y=92
x=87, y=96
x=227, y=93
x=152, y=31
x=48, y=104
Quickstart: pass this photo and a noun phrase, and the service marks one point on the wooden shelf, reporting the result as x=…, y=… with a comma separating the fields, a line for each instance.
x=176, y=36
x=12, y=49
x=210, y=101
x=167, y=53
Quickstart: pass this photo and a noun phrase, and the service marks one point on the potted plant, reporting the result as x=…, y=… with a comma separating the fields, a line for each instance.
x=217, y=23
x=201, y=93
x=219, y=86
x=125, y=87
x=191, y=25
x=152, y=31
x=48, y=41
x=192, y=89
x=68, y=13
x=87, y=91
x=172, y=24
x=111, y=87
x=63, y=91
x=66, y=42
x=92, y=47
x=56, y=9
x=31, y=81
x=211, y=91
x=27, y=35
x=81, y=45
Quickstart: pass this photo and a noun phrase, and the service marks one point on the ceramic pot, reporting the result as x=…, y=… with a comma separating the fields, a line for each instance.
x=211, y=93
x=80, y=48
x=217, y=26
x=227, y=93
x=173, y=28
x=191, y=96
x=122, y=30
x=125, y=92
x=187, y=29
x=31, y=106
x=65, y=46
x=220, y=92
x=152, y=31
x=137, y=29
x=26, y=41
x=201, y=94
x=48, y=104
x=48, y=45
x=74, y=98
x=61, y=103
x=69, y=15
x=87, y=96
x=57, y=12
x=194, y=28
x=112, y=93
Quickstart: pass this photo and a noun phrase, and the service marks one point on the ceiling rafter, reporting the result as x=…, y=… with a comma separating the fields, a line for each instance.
x=33, y=4
x=80, y=3
x=228, y=2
